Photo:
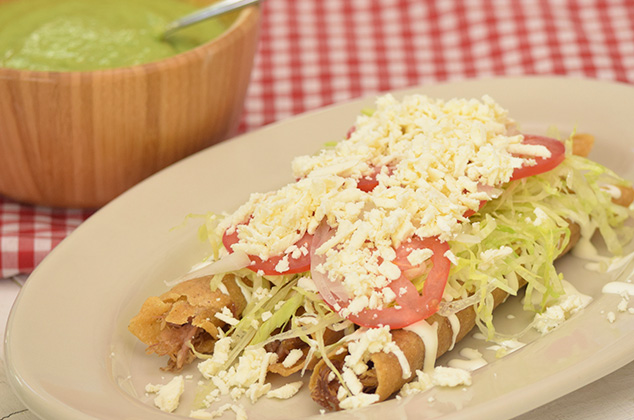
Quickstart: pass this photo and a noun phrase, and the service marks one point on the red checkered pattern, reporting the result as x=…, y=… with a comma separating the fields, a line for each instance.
x=317, y=52
x=28, y=233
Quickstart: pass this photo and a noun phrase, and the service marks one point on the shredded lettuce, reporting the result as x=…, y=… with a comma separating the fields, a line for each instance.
x=278, y=319
x=207, y=231
x=532, y=217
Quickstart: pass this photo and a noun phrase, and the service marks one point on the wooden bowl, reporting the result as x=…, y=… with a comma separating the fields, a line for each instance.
x=79, y=139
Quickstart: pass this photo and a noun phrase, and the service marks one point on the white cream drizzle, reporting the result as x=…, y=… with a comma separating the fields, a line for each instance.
x=585, y=250
x=474, y=360
x=429, y=335
x=569, y=290
x=612, y=190
x=455, y=329
x=561, y=309
x=504, y=347
x=618, y=288
x=622, y=265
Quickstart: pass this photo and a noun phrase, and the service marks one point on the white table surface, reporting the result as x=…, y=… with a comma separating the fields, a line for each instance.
x=611, y=397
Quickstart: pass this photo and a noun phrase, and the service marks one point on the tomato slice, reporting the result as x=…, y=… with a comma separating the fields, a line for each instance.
x=411, y=306
x=296, y=265
x=350, y=131
x=369, y=182
x=470, y=212
x=557, y=155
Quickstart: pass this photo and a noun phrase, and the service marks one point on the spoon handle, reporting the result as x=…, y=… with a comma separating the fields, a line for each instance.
x=218, y=8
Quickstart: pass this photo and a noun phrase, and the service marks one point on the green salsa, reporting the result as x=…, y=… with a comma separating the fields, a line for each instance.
x=77, y=35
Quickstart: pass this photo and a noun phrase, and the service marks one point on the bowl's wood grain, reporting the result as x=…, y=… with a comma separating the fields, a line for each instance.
x=79, y=139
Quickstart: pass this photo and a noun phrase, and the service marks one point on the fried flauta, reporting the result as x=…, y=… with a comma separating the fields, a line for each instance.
x=582, y=144
x=385, y=375
x=186, y=316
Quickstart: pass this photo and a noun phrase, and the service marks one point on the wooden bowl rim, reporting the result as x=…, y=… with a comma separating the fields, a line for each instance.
x=248, y=17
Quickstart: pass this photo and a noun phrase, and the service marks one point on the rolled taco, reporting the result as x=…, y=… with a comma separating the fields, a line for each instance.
x=409, y=231
x=186, y=318
x=385, y=376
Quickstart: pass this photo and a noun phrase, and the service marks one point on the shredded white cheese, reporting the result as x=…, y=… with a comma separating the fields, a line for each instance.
x=363, y=344
x=434, y=160
x=227, y=316
x=168, y=395
x=440, y=376
x=246, y=377
x=285, y=391
x=292, y=357
x=358, y=401
x=220, y=356
x=557, y=313
x=239, y=411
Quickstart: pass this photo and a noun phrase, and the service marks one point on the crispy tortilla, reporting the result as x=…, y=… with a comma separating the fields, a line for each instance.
x=582, y=144
x=184, y=316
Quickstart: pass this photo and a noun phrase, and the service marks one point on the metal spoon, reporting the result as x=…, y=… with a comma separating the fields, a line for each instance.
x=218, y=8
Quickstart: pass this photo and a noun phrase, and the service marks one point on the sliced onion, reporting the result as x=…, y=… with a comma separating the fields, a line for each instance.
x=449, y=308
x=491, y=191
x=331, y=291
x=411, y=273
x=231, y=262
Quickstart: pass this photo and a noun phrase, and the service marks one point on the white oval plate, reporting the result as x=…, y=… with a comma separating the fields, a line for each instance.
x=69, y=355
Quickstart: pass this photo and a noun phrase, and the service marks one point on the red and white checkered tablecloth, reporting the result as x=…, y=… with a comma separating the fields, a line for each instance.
x=317, y=52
